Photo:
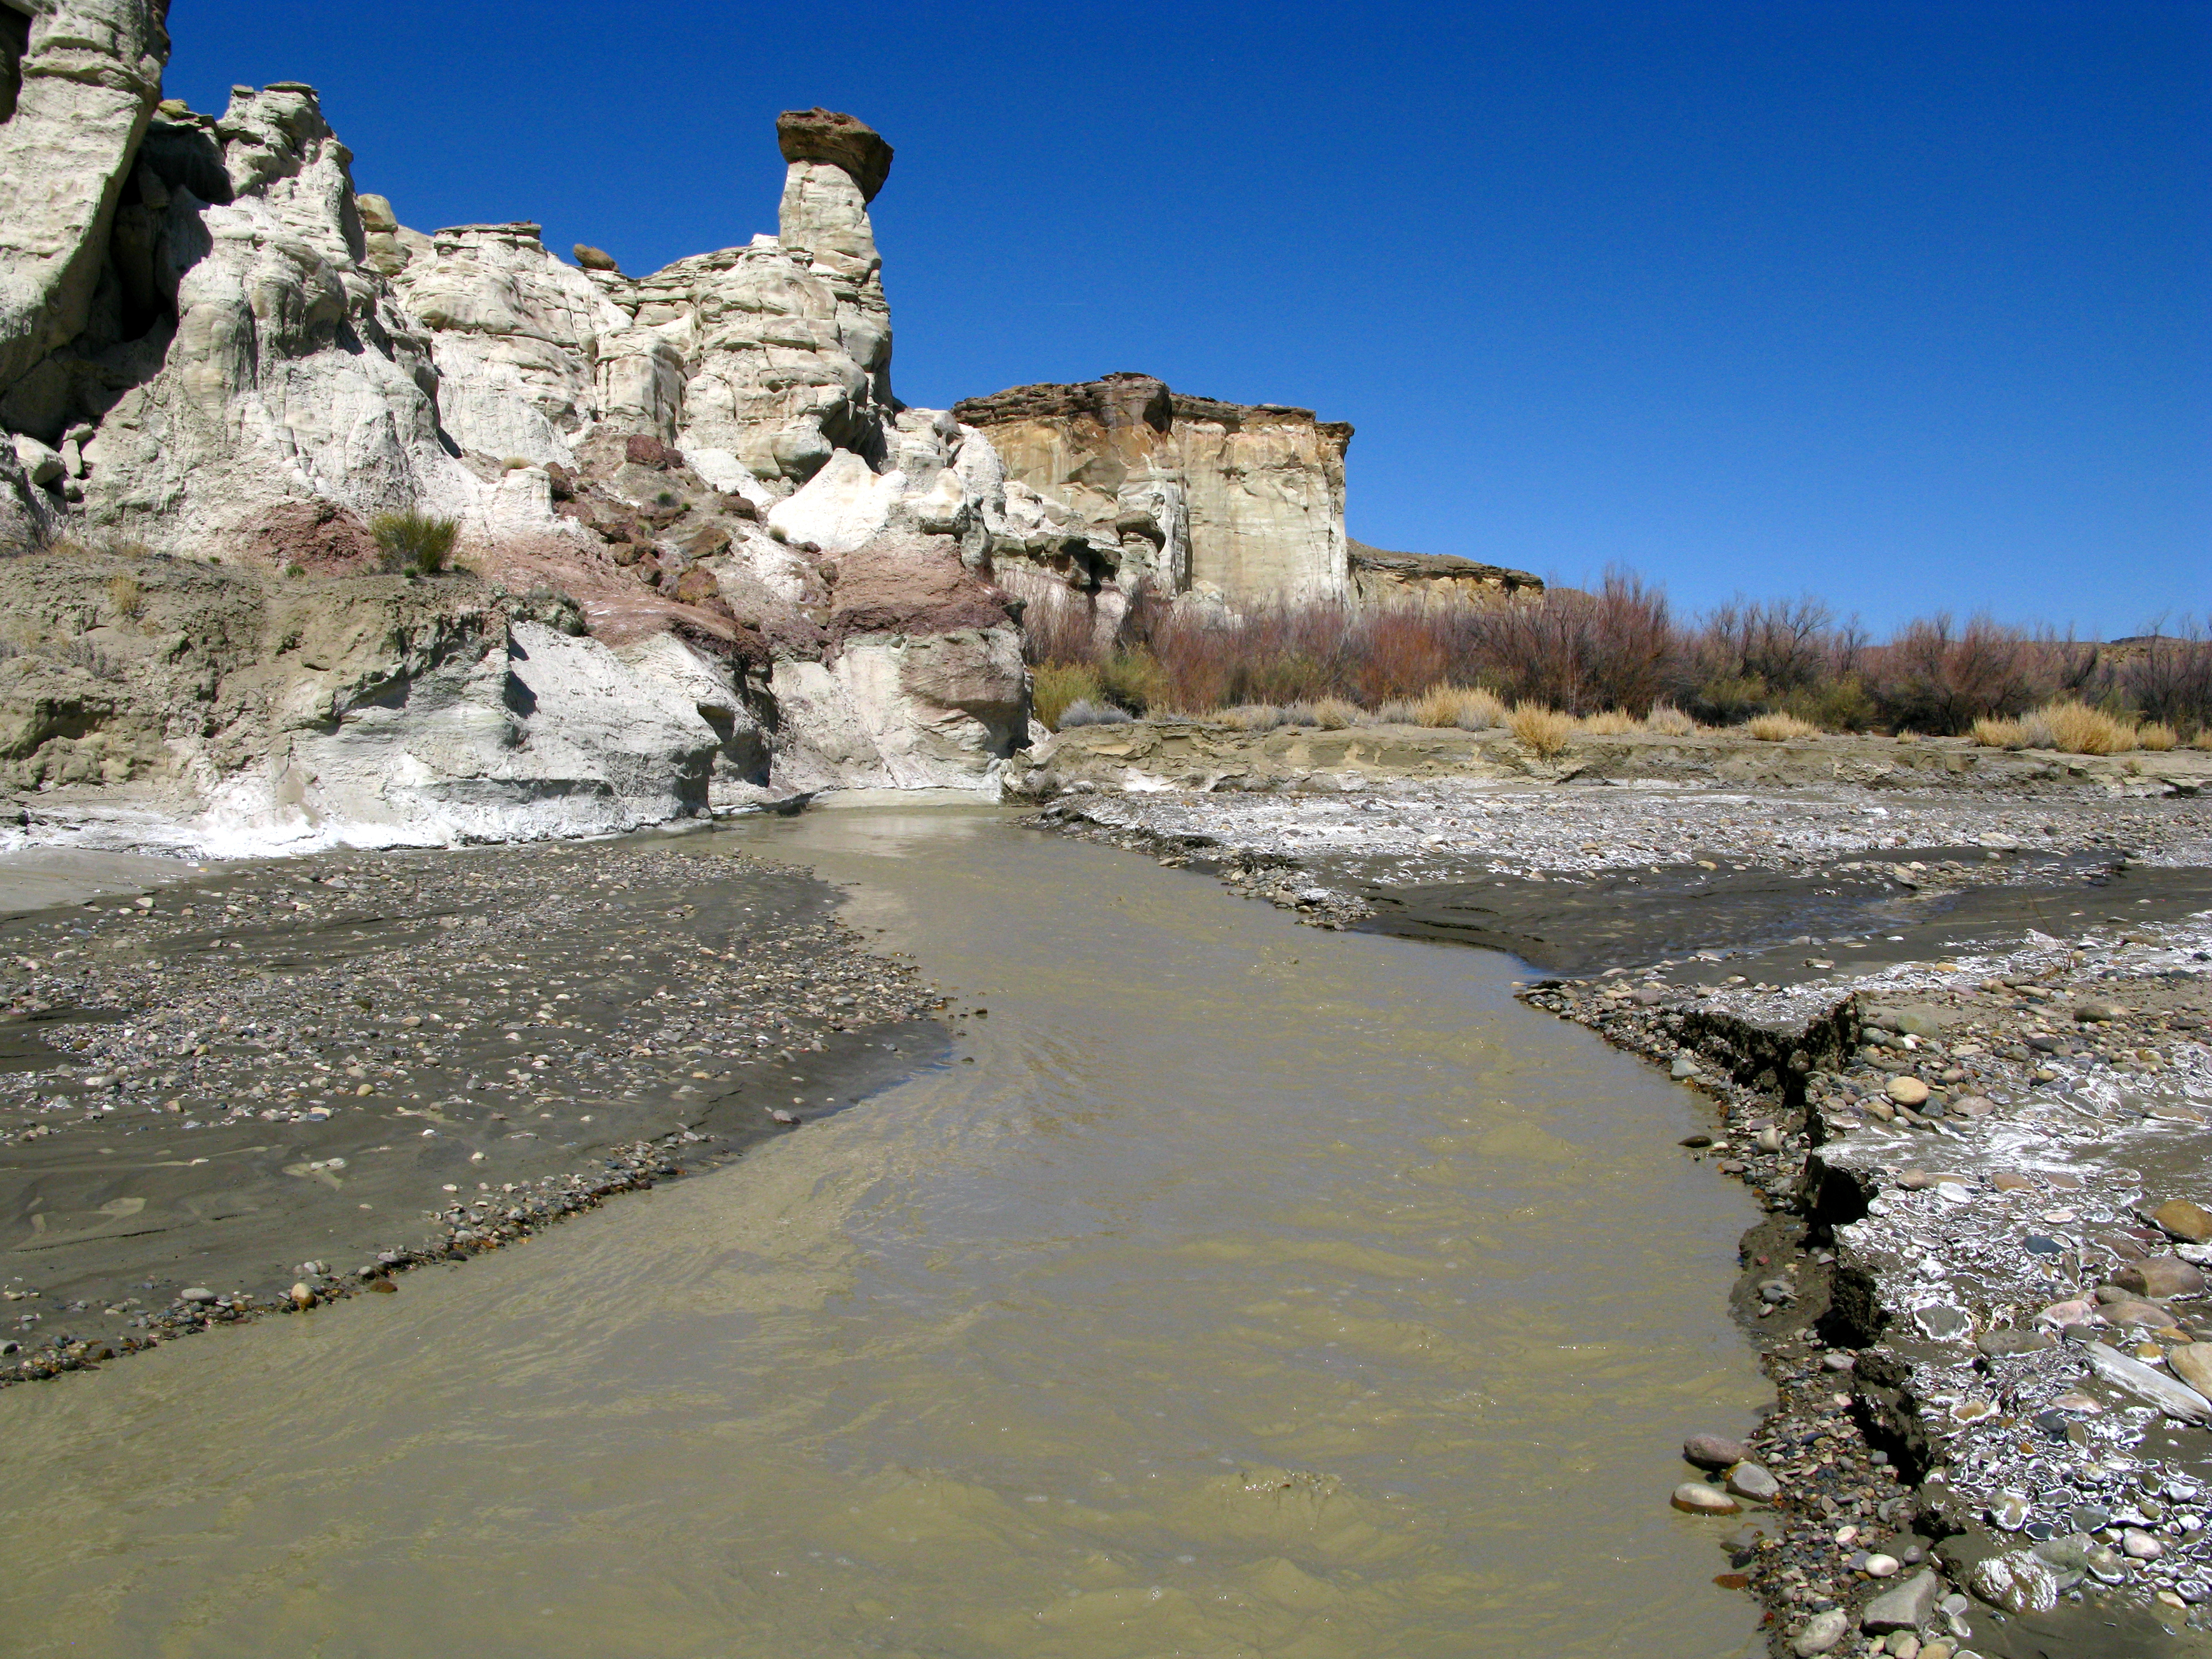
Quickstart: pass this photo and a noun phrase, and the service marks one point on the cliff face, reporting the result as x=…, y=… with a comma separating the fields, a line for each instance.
x=213, y=348
x=1121, y=480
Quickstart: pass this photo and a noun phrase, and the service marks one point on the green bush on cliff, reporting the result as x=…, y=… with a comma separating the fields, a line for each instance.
x=413, y=543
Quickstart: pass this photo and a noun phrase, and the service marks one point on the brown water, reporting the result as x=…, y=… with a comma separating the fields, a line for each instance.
x=1257, y=1290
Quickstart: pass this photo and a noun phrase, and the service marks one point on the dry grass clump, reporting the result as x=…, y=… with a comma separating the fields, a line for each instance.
x=2157, y=736
x=1471, y=709
x=1779, y=728
x=2073, y=727
x=1544, y=730
x=1612, y=723
x=1994, y=733
x=1334, y=714
x=417, y=543
x=1668, y=721
x=126, y=596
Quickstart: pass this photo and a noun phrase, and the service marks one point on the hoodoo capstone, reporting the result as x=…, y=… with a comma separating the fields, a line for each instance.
x=842, y=141
x=213, y=348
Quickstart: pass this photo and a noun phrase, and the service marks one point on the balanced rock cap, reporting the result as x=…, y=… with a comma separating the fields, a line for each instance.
x=844, y=140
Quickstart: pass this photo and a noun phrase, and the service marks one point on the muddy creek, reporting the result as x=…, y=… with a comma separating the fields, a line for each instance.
x=1234, y=1288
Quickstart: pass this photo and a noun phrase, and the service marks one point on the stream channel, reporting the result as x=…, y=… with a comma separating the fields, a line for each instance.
x=1254, y=1291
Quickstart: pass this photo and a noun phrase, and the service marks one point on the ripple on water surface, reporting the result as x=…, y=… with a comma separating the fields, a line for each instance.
x=1257, y=1290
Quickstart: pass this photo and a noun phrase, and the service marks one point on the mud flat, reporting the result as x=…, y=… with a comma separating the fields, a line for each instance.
x=1953, y=1021
x=250, y=1088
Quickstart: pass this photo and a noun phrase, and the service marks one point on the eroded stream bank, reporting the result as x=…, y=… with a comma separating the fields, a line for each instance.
x=1253, y=1291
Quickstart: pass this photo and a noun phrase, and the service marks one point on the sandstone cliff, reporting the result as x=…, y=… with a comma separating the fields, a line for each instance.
x=1382, y=577
x=1119, y=481
x=212, y=348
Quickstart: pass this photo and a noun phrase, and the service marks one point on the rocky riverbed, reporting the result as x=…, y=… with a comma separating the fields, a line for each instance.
x=1955, y=1031
x=258, y=1087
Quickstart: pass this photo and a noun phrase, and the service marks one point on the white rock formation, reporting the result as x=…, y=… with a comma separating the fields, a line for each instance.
x=210, y=345
x=1119, y=481
x=78, y=81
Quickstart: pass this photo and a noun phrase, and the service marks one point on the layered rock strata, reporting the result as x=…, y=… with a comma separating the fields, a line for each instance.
x=1382, y=577
x=212, y=347
x=1120, y=482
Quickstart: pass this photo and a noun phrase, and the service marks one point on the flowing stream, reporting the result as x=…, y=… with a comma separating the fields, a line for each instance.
x=1254, y=1291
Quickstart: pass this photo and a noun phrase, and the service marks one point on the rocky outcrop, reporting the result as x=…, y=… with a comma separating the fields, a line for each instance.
x=222, y=710
x=1120, y=482
x=78, y=82
x=213, y=347
x=1380, y=577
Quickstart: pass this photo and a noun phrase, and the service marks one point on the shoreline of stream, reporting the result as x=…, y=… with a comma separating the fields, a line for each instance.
x=1948, y=924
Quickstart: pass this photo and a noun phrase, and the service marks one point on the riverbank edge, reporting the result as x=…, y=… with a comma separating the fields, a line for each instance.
x=1755, y=1075
x=632, y=1166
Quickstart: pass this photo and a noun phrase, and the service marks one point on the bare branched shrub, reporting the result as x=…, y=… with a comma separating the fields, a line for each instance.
x=1938, y=678
x=2171, y=681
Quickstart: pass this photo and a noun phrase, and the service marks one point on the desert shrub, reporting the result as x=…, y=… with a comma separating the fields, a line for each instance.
x=1938, y=678
x=2157, y=736
x=414, y=542
x=1544, y=730
x=1612, y=723
x=1054, y=688
x=1993, y=733
x=2171, y=681
x=1779, y=728
x=86, y=654
x=1134, y=680
x=1398, y=712
x=126, y=596
x=1842, y=704
x=1334, y=714
x=1668, y=721
x=1252, y=717
x=2074, y=728
x=1084, y=711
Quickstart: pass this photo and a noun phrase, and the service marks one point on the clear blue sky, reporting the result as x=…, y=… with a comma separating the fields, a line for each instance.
x=1906, y=305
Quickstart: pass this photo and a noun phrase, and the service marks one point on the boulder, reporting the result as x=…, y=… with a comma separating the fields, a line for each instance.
x=2016, y=1581
x=1713, y=1451
x=2184, y=1220
x=1907, y=1607
x=594, y=258
x=842, y=141
x=2160, y=1276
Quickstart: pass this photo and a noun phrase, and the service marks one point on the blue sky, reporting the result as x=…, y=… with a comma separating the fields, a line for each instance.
x=1909, y=306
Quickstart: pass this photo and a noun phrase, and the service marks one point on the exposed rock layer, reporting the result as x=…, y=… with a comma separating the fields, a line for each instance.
x=1120, y=480
x=211, y=346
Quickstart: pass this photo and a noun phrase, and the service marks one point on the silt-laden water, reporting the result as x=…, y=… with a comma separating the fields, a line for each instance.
x=1255, y=1291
